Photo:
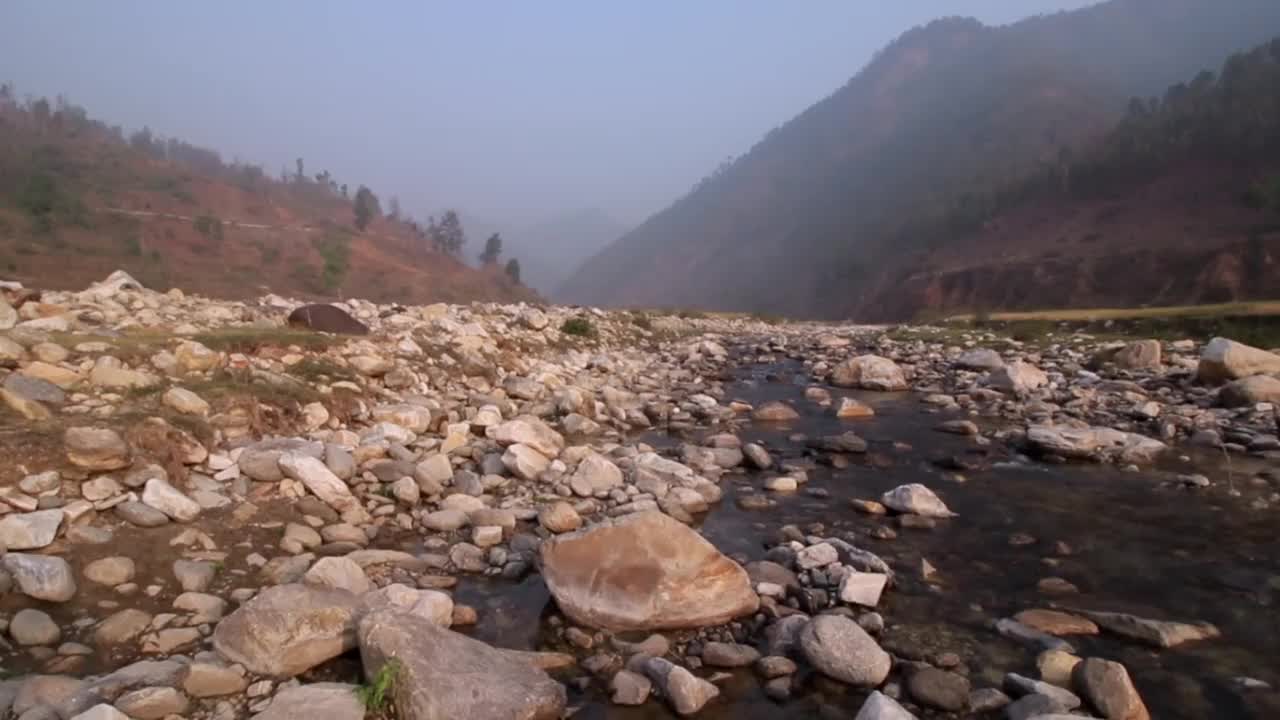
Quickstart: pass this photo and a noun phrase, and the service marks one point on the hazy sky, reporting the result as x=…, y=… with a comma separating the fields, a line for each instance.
x=512, y=110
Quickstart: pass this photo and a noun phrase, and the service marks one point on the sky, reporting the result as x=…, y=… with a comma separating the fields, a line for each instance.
x=514, y=111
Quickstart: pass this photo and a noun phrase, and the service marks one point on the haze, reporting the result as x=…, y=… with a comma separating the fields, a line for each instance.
x=515, y=112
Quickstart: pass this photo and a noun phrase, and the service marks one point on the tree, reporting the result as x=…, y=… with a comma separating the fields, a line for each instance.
x=366, y=207
x=513, y=270
x=450, y=233
x=299, y=177
x=394, y=213
x=344, y=191
x=492, y=249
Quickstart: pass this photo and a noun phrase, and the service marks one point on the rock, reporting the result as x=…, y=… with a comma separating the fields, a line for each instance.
x=838, y=648
x=1035, y=707
x=141, y=515
x=939, y=689
x=775, y=412
x=192, y=356
x=959, y=427
x=1018, y=378
x=847, y=409
x=213, y=679
x=644, y=571
x=629, y=688
x=317, y=701
x=869, y=372
x=96, y=448
x=1250, y=391
x=980, y=359
x=29, y=531
x=524, y=462
x=1090, y=443
x=915, y=499
x=861, y=588
x=559, y=517
x=1055, y=622
x=529, y=431
x=1160, y=633
x=879, y=706
x=729, y=655
x=985, y=700
x=432, y=605
x=818, y=555
x=34, y=627
x=121, y=627
x=8, y=316
x=110, y=570
x=595, y=474
x=312, y=473
x=1055, y=667
x=152, y=703
x=101, y=711
x=480, y=681
x=338, y=573
x=185, y=401
x=1138, y=355
x=326, y=318
x=1107, y=687
x=32, y=410
x=757, y=456
x=288, y=629
x=533, y=318
x=162, y=496
x=41, y=577
x=686, y=692
x=261, y=461
x=1223, y=360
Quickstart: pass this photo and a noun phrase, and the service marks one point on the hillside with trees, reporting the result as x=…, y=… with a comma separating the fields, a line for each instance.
x=80, y=198
x=897, y=194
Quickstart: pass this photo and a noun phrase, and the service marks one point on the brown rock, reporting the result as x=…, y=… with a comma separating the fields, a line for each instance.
x=1054, y=622
x=326, y=318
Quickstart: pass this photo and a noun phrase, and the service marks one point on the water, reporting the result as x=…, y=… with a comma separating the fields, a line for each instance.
x=1138, y=545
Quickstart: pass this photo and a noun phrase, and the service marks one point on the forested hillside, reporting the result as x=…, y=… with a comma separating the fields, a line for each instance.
x=942, y=129
x=79, y=199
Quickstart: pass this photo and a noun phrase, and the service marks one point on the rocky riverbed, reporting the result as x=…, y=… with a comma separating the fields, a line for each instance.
x=263, y=509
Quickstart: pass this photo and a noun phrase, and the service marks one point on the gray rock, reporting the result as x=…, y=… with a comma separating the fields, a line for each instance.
x=980, y=359
x=939, y=689
x=162, y=496
x=1160, y=633
x=122, y=627
x=34, y=389
x=686, y=692
x=729, y=655
x=41, y=577
x=629, y=688
x=29, y=531
x=838, y=648
x=338, y=573
x=34, y=627
x=136, y=513
x=1016, y=684
x=319, y=701
x=96, y=448
x=101, y=711
x=481, y=681
x=194, y=575
x=288, y=629
x=1109, y=689
x=915, y=499
x=110, y=570
x=152, y=703
x=1032, y=707
x=879, y=706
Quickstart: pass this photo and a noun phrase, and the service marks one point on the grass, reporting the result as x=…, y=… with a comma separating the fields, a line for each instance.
x=1242, y=309
x=578, y=327
x=250, y=339
x=375, y=695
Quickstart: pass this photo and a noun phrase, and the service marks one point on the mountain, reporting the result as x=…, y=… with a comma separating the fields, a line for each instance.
x=549, y=251
x=894, y=171
x=79, y=199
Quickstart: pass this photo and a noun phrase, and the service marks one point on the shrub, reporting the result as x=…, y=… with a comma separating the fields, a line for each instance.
x=335, y=252
x=579, y=327
x=209, y=226
x=376, y=694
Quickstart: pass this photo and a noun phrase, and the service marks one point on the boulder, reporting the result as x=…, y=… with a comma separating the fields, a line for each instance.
x=164, y=497
x=646, y=571
x=1094, y=443
x=775, y=411
x=1106, y=685
x=1018, y=378
x=1249, y=391
x=431, y=605
x=686, y=692
x=838, y=648
x=524, y=462
x=879, y=706
x=1223, y=360
x=869, y=372
x=96, y=448
x=318, y=701
x=34, y=627
x=42, y=577
x=442, y=674
x=1138, y=355
x=312, y=473
x=322, y=317
x=29, y=531
x=338, y=573
x=980, y=359
x=288, y=629
x=530, y=431
x=595, y=473
x=939, y=689
x=1160, y=633
x=915, y=499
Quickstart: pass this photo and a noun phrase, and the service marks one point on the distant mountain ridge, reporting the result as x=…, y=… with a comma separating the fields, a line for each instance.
x=826, y=212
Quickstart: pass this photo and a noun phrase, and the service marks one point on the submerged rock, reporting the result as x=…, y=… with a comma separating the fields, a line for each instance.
x=644, y=572
x=842, y=650
x=869, y=372
x=915, y=499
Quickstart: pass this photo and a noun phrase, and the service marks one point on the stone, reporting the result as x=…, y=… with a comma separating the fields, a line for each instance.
x=980, y=359
x=45, y=372
x=110, y=570
x=1250, y=391
x=185, y=402
x=529, y=431
x=32, y=410
x=1160, y=633
x=644, y=571
x=141, y=515
x=51, y=691
x=869, y=372
x=729, y=655
x=838, y=648
x=432, y=605
x=781, y=484
x=323, y=317
x=1016, y=684
x=939, y=689
x=152, y=703
x=879, y=706
x=338, y=573
x=445, y=520
x=204, y=608
x=859, y=588
x=1056, y=622
x=288, y=629
x=481, y=681
x=1138, y=355
x=162, y=496
x=322, y=483
x=559, y=517
x=316, y=701
x=96, y=448
x=686, y=692
x=29, y=531
x=121, y=627
x=757, y=456
x=1035, y=706
x=1223, y=360
x=1094, y=442
x=1018, y=378
x=915, y=499
x=101, y=711
x=818, y=555
x=1107, y=687
x=213, y=679
x=34, y=627
x=849, y=409
x=1055, y=667
x=595, y=474
x=629, y=688
x=525, y=462
x=775, y=411
x=41, y=577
